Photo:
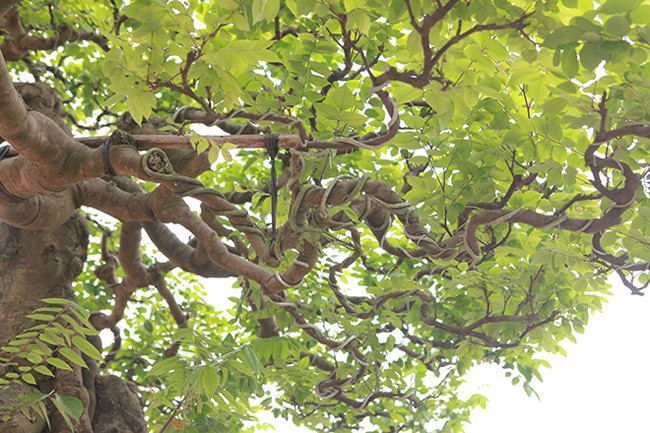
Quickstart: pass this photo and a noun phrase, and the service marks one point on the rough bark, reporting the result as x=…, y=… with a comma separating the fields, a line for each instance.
x=37, y=264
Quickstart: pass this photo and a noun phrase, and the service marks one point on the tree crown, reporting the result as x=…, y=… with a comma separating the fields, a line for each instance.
x=456, y=181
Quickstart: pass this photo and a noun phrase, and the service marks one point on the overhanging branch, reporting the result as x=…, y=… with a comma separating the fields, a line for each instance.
x=289, y=141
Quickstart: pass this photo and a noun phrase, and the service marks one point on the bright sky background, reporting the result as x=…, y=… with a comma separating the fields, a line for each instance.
x=602, y=386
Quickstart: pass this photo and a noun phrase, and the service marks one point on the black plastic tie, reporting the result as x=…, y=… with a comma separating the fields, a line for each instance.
x=271, y=142
x=108, y=167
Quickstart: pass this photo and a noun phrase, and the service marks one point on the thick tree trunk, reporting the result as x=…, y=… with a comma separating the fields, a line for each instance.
x=44, y=264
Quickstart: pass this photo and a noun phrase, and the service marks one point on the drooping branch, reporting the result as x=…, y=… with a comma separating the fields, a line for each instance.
x=18, y=42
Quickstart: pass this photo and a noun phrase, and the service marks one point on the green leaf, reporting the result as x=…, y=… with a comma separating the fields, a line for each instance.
x=29, y=378
x=611, y=7
x=69, y=405
x=590, y=56
x=50, y=337
x=56, y=301
x=242, y=368
x=641, y=14
x=359, y=19
x=86, y=347
x=617, y=26
x=209, y=380
x=569, y=62
x=240, y=54
x=140, y=104
x=213, y=154
x=41, y=317
x=342, y=98
x=72, y=356
x=58, y=363
x=200, y=144
x=226, y=149
x=165, y=366
x=350, y=5
x=300, y=7
x=265, y=10
x=563, y=35
x=33, y=397
x=44, y=370
x=34, y=358
x=251, y=360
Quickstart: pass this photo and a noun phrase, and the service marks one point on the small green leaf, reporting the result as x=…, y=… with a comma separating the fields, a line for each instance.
x=612, y=7
x=252, y=360
x=56, y=301
x=59, y=363
x=33, y=397
x=73, y=356
x=86, y=347
x=563, y=35
x=43, y=370
x=41, y=317
x=50, y=337
x=200, y=144
x=341, y=97
x=165, y=366
x=242, y=368
x=265, y=10
x=569, y=62
x=34, y=358
x=590, y=56
x=360, y=20
x=617, y=26
x=213, y=154
x=209, y=380
x=69, y=405
x=29, y=378
x=226, y=149
x=140, y=104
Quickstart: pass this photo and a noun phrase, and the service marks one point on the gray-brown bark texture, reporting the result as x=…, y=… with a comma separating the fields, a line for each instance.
x=37, y=264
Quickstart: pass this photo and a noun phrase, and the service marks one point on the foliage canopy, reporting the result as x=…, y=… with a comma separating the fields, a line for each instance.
x=457, y=180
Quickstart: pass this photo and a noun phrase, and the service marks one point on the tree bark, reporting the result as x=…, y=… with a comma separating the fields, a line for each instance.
x=44, y=264
x=37, y=264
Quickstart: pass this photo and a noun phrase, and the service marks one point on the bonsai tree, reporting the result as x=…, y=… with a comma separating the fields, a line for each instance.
x=329, y=210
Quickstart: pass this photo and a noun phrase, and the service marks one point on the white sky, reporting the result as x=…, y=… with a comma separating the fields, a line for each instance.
x=602, y=386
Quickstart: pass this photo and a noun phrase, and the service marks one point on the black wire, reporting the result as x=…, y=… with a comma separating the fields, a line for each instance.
x=108, y=167
x=271, y=142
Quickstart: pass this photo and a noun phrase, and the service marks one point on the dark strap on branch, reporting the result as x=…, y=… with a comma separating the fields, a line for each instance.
x=107, y=162
x=271, y=144
x=4, y=150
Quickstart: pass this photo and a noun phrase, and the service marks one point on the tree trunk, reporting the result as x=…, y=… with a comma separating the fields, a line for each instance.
x=44, y=264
